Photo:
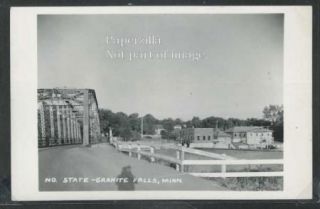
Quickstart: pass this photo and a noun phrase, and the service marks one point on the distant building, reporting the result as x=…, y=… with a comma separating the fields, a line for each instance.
x=177, y=127
x=221, y=136
x=203, y=135
x=158, y=129
x=235, y=138
x=251, y=135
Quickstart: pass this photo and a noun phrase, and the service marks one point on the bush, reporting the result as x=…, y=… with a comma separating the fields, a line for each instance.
x=252, y=183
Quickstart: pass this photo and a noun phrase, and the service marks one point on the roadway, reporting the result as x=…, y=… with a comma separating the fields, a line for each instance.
x=101, y=163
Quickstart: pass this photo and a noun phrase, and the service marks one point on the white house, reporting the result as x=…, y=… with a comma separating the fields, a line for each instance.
x=251, y=135
x=177, y=127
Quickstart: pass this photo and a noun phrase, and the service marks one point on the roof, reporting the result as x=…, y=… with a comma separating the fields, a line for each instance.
x=247, y=129
x=220, y=133
x=203, y=128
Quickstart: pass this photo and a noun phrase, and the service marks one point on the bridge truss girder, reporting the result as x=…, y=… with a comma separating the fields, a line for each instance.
x=68, y=116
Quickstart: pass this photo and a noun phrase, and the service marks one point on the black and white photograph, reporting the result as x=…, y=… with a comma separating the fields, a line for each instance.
x=160, y=102
x=184, y=102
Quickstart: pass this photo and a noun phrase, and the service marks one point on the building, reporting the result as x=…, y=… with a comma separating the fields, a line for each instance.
x=221, y=136
x=241, y=137
x=68, y=116
x=157, y=129
x=177, y=127
x=251, y=135
x=203, y=135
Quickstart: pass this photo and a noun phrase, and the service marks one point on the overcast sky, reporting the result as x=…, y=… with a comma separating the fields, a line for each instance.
x=240, y=73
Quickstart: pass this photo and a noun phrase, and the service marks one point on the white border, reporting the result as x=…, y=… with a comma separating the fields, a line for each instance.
x=297, y=104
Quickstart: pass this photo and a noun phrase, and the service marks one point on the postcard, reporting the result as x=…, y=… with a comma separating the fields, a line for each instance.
x=161, y=103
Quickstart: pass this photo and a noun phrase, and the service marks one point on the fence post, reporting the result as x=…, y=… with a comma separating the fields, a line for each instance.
x=223, y=169
x=152, y=152
x=178, y=157
x=139, y=154
x=182, y=159
x=129, y=146
x=224, y=156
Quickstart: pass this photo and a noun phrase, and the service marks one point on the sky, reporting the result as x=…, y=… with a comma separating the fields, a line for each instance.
x=239, y=73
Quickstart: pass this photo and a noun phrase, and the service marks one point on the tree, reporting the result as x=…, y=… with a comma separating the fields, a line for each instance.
x=168, y=124
x=149, y=123
x=135, y=122
x=196, y=122
x=106, y=119
x=125, y=133
x=257, y=122
x=273, y=113
x=135, y=136
x=212, y=122
x=128, y=126
x=164, y=134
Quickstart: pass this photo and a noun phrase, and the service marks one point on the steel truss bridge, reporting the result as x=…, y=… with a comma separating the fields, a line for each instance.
x=68, y=116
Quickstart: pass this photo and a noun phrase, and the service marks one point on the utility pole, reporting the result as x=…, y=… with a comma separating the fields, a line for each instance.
x=142, y=127
x=110, y=135
x=216, y=131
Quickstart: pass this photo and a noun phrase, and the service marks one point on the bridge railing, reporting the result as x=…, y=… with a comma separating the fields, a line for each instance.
x=221, y=160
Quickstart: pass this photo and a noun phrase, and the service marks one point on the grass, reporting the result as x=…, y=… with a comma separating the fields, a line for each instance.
x=248, y=154
x=251, y=183
x=187, y=156
x=239, y=154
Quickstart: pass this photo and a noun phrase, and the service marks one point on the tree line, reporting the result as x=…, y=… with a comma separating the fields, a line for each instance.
x=129, y=126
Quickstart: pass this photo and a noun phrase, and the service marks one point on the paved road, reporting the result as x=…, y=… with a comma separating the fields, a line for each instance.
x=104, y=161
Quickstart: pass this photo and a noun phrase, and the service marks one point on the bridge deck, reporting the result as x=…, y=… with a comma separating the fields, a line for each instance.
x=105, y=161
